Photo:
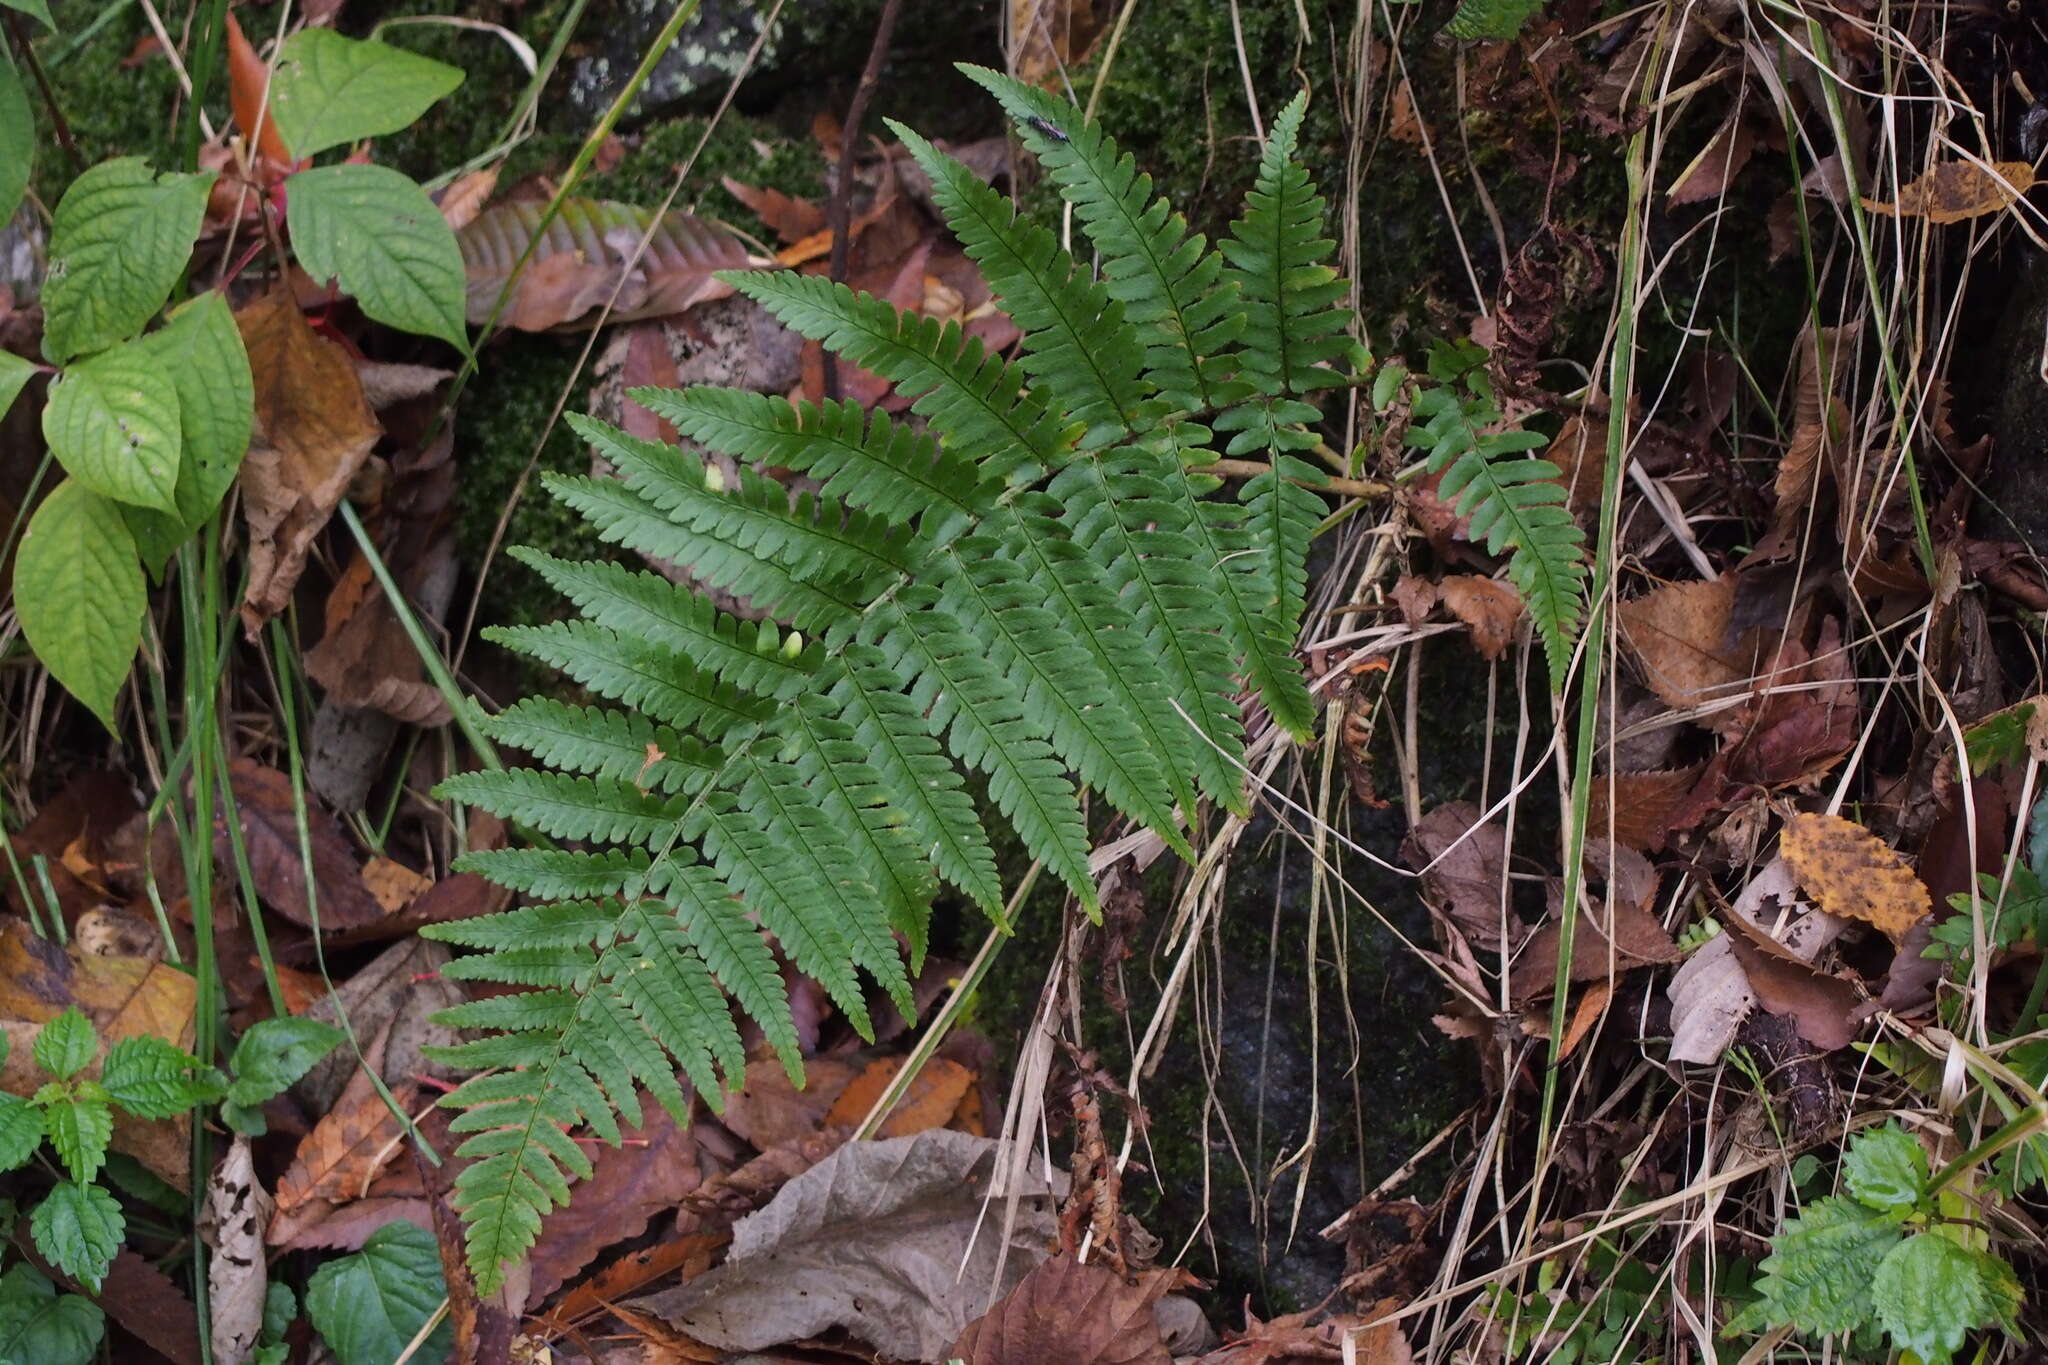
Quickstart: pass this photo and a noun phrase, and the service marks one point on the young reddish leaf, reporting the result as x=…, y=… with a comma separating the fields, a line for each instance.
x=248, y=83
x=1851, y=872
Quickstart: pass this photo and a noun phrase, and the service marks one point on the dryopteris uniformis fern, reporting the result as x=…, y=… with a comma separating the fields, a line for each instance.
x=1515, y=504
x=1036, y=582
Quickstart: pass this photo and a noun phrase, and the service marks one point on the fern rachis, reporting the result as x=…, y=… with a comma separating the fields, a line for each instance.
x=1036, y=584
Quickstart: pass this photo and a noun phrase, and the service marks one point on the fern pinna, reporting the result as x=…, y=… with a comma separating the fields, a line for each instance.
x=1034, y=582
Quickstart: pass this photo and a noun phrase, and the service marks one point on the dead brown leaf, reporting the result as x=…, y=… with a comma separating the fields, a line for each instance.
x=1636, y=808
x=1851, y=872
x=150, y=1305
x=586, y=259
x=769, y=1111
x=393, y=885
x=1463, y=877
x=237, y=1214
x=1717, y=165
x=1600, y=947
x=340, y=1159
x=1821, y=1007
x=685, y=1257
x=270, y=834
x=1952, y=191
x=1490, y=607
x=1679, y=634
x=313, y=430
x=929, y=1102
x=1049, y=36
x=1300, y=1338
x=789, y=218
x=1075, y=1312
x=463, y=200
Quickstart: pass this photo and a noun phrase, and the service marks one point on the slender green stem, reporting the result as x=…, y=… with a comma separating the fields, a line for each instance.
x=2030, y=1121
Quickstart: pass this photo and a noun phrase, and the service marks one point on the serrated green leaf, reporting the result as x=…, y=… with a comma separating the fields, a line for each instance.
x=37, y=1324
x=153, y=1079
x=66, y=1045
x=1885, y=1168
x=112, y=422
x=119, y=241
x=1818, y=1275
x=14, y=374
x=378, y=233
x=1999, y=739
x=78, y=1228
x=201, y=351
x=329, y=90
x=274, y=1054
x=1930, y=1293
x=79, y=594
x=21, y=1131
x=369, y=1306
x=17, y=142
x=80, y=1129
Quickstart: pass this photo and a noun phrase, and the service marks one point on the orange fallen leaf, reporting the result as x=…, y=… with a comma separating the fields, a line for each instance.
x=248, y=81
x=1851, y=872
x=932, y=1097
x=1490, y=607
x=1952, y=191
x=1592, y=1004
x=393, y=885
x=686, y=1257
x=1679, y=634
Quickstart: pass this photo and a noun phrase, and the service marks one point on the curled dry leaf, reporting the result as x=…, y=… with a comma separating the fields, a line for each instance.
x=1821, y=1007
x=1952, y=191
x=1490, y=607
x=313, y=430
x=1679, y=634
x=583, y=258
x=1464, y=870
x=1851, y=872
x=236, y=1217
x=1073, y=1312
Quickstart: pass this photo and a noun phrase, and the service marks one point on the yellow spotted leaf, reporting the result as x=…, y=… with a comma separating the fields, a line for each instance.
x=1851, y=872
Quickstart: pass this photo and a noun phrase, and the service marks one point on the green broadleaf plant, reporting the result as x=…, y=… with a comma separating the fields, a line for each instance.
x=329, y=91
x=17, y=144
x=272, y=1055
x=113, y=424
x=1038, y=583
x=120, y=239
x=369, y=1306
x=42, y=1326
x=79, y=594
x=376, y=231
x=35, y=9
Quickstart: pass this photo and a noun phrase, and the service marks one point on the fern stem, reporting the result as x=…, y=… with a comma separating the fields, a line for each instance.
x=1252, y=469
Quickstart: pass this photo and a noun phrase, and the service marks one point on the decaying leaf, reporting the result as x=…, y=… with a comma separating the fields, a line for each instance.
x=769, y=1111
x=685, y=1257
x=270, y=834
x=341, y=1158
x=789, y=218
x=313, y=431
x=1820, y=1006
x=1851, y=872
x=1710, y=993
x=1634, y=937
x=151, y=1305
x=1636, y=808
x=1049, y=36
x=1299, y=1338
x=1679, y=634
x=1074, y=1312
x=1464, y=870
x=237, y=1215
x=1952, y=191
x=885, y=1240
x=930, y=1101
x=1710, y=173
x=582, y=259
x=1490, y=607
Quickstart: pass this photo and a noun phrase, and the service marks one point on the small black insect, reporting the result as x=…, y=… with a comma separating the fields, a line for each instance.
x=1048, y=129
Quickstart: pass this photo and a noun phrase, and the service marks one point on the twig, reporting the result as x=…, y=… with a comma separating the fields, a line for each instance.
x=35, y=67
x=1251, y=469
x=837, y=212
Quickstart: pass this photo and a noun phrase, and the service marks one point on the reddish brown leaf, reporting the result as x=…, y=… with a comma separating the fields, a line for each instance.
x=582, y=259
x=686, y=1257
x=790, y=219
x=768, y=1111
x=1637, y=939
x=145, y=1301
x=351, y=1144
x=1820, y=1006
x=1075, y=1313
x=1680, y=636
x=313, y=431
x=248, y=81
x=1718, y=163
x=929, y=1102
x=632, y=1183
x=1490, y=607
x=366, y=661
x=1463, y=870
x=264, y=806
x=1638, y=807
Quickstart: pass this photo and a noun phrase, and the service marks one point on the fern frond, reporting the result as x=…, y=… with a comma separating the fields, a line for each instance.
x=645, y=606
x=1264, y=646
x=558, y=874
x=658, y=681
x=817, y=539
x=607, y=810
x=1076, y=341
x=865, y=460
x=622, y=517
x=977, y=401
x=1119, y=510
x=927, y=789
x=1293, y=330
x=1516, y=505
x=599, y=742
x=951, y=682
x=791, y=903
x=1281, y=516
x=716, y=925
x=1497, y=19
x=551, y=924
x=851, y=793
x=1171, y=287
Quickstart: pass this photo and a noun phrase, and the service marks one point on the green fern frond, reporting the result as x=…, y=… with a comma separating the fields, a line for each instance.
x=1169, y=284
x=865, y=460
x=1076, y=341
x=977, y=401
x=1029, y=582
x=1515, y=504
x=1496, y=19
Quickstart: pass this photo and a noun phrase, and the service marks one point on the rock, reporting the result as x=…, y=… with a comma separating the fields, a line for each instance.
x=2016, y=506
x=710, y=50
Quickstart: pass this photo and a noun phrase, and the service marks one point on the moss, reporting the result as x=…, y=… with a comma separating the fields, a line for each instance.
x=112, y=111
